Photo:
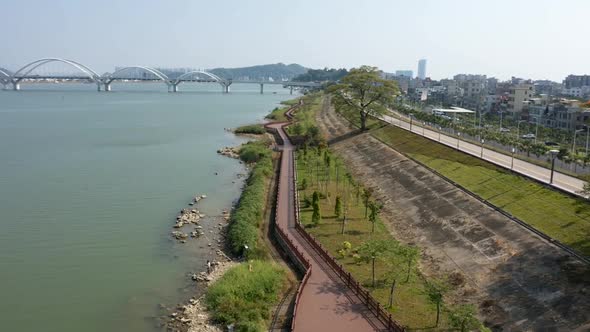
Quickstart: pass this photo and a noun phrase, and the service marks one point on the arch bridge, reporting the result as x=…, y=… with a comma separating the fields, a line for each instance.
x=132, y=73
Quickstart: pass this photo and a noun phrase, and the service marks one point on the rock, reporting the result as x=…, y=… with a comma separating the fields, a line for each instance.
x=178, y=224
x=194, y=277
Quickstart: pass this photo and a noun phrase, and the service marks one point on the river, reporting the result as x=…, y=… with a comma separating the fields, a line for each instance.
x=90, y=183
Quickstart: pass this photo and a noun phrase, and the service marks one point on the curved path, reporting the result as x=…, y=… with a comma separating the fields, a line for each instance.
x=326, y=303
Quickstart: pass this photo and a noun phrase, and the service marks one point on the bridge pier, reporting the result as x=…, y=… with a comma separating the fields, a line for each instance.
x=291, y=90
x=107, y=87
x=15, y=86
x=173, y=87
x=261, y=88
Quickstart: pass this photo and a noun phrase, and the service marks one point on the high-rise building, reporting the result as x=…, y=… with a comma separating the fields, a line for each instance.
x=422, y=69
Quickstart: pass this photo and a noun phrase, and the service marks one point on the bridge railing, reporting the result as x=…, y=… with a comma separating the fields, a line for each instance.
x=288, y=244
x=380, y=312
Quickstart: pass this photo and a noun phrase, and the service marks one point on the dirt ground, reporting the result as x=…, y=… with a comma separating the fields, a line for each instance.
x=518, y=281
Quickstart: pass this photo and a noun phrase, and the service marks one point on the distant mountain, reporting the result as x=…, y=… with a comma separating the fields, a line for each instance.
x=277, y=72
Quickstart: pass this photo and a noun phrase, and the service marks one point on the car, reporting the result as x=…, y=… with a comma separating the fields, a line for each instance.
x=504, y=130
x=549, y=143
x=528, y=136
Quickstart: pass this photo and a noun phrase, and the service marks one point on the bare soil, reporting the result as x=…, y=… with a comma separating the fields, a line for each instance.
x=518, y=281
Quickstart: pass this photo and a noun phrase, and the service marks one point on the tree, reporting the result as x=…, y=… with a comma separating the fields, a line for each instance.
x=371, y=250
x=374, y=207
x=338, y=207
x=463, y=318
x=410, y=255
x=435, y=290
x=367, y=193
x=365, y=93
x=316, y=216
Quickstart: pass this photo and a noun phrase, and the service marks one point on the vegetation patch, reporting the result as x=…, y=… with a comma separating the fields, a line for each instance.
x=243, y=231
x=256, y=129
x=558, y=215
x=246, y=294
x=344, y=217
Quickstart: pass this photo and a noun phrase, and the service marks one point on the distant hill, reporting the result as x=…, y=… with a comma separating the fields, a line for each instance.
x=277, y=72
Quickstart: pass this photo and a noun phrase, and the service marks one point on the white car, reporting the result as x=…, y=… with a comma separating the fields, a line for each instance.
x=528, y=136
x=504, y=130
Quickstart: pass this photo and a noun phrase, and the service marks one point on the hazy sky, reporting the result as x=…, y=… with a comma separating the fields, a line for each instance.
x=525, y=38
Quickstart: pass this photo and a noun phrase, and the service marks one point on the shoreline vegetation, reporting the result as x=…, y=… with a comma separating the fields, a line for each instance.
x=242, y=293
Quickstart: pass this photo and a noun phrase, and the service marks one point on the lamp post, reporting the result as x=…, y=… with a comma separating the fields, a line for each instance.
x=439, y=129
x=482, y=142
x=587, y=136
x=553, y=155
x=501, y=121
x=458, y=139
x=512, y=161
x=537, y=130
x=411, y=122
x=423, y=125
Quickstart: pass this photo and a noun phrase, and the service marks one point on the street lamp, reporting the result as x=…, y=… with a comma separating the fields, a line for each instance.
x=537, y=130
x=439, y=130
x=512, y=161
x=482, y=142
x=458, y=137
x=501, y=120
x=423, y=125
x=411, y=122
x=587, y=136
x=553, y=155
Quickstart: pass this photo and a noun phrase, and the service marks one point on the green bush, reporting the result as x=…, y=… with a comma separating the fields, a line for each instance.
x=246, y=218
x=245, y=298
x=252, y=152
x=256, y=129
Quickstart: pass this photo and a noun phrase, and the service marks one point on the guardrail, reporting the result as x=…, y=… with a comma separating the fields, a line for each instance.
x=380, y=312
x=293, y=250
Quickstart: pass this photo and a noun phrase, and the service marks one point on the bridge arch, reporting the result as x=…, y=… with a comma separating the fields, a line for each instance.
x=224, y=83
x=22, y=73
x=5, y=77
x=108, y=79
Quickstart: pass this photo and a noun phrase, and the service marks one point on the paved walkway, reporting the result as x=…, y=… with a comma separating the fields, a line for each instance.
x=326, y=303
x=560, y=180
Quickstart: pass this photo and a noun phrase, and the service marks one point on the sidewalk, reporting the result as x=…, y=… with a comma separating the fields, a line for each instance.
x=561, y=181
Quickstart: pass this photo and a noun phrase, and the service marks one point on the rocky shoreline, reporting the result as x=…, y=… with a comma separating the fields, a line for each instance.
x=192, y=316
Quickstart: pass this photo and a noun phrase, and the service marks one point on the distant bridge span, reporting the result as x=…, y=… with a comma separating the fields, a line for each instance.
x=149, y=74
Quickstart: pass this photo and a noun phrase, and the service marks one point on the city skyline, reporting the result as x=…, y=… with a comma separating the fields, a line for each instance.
x=189, y=34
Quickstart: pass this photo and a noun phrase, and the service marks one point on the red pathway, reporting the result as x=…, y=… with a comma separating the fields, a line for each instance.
x=326, y=303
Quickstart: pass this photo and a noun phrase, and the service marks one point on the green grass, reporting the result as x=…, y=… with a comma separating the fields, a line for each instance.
x=290, y=102
x=278, y=114
x=305, y=115
x=246, y=297
x=411, y=306
x=256, y=129
x=558, y=215
x=244, y=227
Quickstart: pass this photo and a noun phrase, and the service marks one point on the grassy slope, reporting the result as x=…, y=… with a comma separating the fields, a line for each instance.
x=557, y=215
x=416, y=311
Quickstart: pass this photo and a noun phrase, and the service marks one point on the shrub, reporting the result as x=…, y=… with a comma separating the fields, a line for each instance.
x=256, y=129
x=252, y=152
x=245, y=298
x=243, y=227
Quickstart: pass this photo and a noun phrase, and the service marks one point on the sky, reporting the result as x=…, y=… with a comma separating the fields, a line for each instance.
x=538, y=39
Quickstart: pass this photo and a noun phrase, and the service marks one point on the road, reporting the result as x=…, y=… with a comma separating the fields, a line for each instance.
x=326, y=303
x=562, y=181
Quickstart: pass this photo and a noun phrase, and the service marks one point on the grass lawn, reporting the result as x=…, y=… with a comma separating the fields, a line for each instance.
x=558, y=215
x=411, y=306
